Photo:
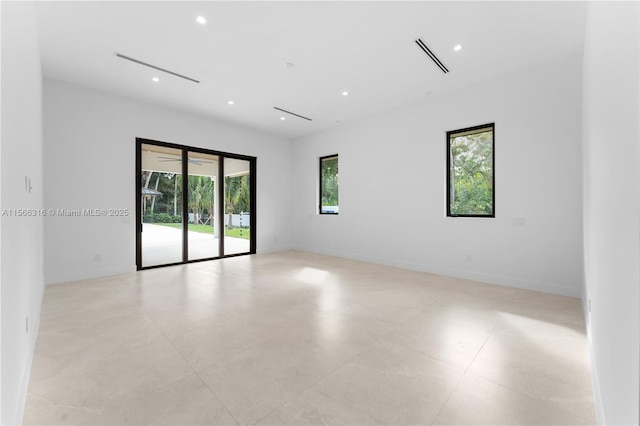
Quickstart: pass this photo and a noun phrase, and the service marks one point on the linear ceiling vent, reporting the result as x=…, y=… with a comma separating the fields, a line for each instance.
x=155, y=67
x=292, y=113
x=433, y=57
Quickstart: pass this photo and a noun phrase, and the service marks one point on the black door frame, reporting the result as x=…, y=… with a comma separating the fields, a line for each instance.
x=185, y=199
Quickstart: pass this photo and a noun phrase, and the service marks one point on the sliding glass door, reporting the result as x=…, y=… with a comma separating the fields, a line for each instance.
x=237, y=206
x=204, y=232
x=194, y=204
x=161, y=205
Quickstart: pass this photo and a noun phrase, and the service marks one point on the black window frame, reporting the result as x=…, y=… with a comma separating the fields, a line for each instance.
x=185, y=150
x=321, y=159
x=479, y=128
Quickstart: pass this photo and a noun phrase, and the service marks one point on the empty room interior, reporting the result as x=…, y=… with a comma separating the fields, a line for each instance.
x=320, y=212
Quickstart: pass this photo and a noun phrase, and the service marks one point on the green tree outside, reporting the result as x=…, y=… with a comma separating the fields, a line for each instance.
x=329, y=184
x=200, y=197
x=471, y=183
x=236, y=195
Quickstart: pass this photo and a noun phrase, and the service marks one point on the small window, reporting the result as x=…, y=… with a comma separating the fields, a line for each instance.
x=470, y=172
x=329, y=184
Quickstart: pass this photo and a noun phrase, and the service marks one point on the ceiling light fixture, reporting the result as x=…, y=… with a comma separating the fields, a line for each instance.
x=345, y=93
x=282, y=118
x=231, y=102
x=201, y=20
x=155, y=79
x=457, y=47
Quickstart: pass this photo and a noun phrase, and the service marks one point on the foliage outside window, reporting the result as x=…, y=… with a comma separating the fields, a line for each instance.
x=470, y=172
x=164, y=202
x=236, y=196
x=329, y=185
x=200, y=200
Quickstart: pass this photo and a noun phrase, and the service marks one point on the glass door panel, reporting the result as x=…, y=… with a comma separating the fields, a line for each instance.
x=203, y=234
x=237, y=205
x=161, y=205
x=194, y=204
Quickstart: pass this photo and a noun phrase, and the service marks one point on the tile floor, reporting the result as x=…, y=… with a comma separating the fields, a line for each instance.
x=299, y=338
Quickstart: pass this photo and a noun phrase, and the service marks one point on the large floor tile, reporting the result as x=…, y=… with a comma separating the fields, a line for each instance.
x=115, y=380
x=449, y=333
x=477, y=401
x=207, y=346
x=185, y=402
x=40, y=410
x=342, y=328
x=527, y=356
x=261, y=379
x=550, y=307
x=115, y=293
x=315, y=408
x=477, y=295
x=392, y=384
x=85, y=338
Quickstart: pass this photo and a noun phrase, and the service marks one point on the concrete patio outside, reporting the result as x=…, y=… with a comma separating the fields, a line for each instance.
x=163, y=244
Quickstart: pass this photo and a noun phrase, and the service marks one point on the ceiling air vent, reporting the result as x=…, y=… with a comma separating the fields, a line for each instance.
x=292, y=113
x=155, y=67
x=433, y=57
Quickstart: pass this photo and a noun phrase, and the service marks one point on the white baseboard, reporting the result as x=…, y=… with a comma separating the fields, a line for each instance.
x=458, y=273
x=26, y=376
x=60, y=278
x=271, y=249
x=597, y=397
x=595, y=381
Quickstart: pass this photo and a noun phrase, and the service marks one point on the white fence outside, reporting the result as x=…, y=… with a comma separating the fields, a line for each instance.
x=238, y=220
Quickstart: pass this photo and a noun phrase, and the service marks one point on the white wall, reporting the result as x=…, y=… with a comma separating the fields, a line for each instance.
x=21, y=155
x=392, y=169
x=89, y=145
x=611, y=131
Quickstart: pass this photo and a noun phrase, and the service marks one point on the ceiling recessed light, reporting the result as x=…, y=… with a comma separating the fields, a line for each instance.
x=345, y=93
x=155, y=79
x=282, y=118
x=457, y=47
x=201, y=20
x=231, y=102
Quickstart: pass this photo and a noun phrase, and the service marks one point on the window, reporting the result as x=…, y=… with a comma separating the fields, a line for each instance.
x=329, y=184
x=470, y=172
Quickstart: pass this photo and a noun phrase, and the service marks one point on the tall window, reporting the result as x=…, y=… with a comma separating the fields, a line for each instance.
x=470, y=172
x=329, y=184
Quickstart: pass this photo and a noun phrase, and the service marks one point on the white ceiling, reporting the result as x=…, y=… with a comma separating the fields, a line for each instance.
x=366, y=48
